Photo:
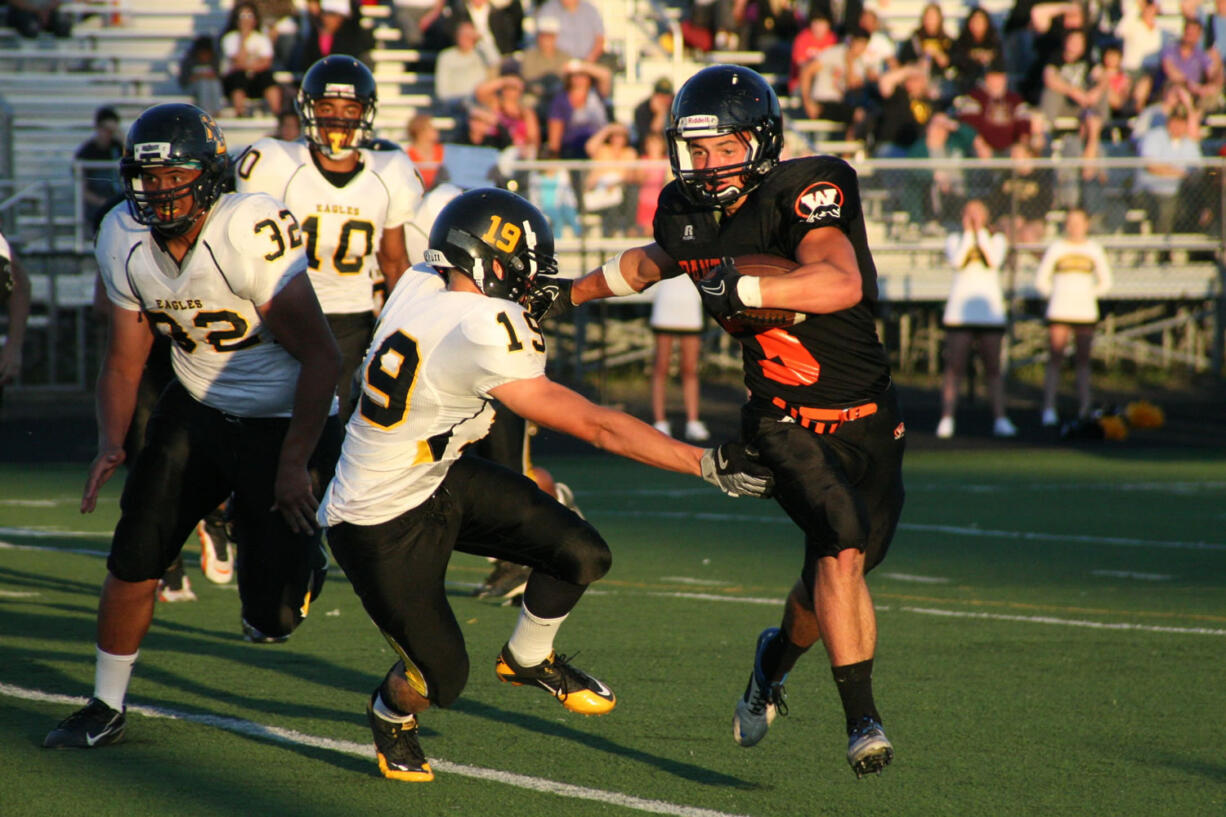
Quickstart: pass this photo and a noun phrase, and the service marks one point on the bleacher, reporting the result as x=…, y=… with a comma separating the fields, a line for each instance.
x=127, y=57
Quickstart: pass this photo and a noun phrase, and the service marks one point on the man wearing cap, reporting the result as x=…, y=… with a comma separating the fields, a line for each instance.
x=337, y=31
x=544, y=67
x=651, y=115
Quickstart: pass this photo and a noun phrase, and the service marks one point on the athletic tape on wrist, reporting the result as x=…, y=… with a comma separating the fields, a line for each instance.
x=749, y=290
x=613, y=276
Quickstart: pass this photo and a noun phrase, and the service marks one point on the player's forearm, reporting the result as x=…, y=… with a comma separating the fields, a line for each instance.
x=114, y=405
x=312, y=402
x=817, y=288
x=630, y=271
x=633, y=439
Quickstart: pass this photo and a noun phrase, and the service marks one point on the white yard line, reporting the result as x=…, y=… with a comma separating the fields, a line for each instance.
x=365, y=750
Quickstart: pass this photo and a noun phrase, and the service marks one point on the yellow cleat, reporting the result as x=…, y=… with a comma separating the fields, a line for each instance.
x=574, y=688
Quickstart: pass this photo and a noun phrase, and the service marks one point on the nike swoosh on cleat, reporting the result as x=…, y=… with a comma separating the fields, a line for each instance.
x=602, y=690
x=90, y=740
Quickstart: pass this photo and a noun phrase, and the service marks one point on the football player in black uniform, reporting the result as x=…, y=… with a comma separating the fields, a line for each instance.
x=821, y=411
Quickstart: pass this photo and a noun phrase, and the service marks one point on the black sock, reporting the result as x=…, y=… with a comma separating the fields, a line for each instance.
x=780, y=656
x=855, y=683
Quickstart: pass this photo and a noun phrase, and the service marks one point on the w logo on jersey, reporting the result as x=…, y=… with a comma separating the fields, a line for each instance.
x=820, y=200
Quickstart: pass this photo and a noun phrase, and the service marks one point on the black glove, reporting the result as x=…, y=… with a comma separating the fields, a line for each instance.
x=735, y=470
x=549, y=297
x=718, y=290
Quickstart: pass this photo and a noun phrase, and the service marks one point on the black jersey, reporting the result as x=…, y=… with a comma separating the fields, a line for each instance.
x=827, y=360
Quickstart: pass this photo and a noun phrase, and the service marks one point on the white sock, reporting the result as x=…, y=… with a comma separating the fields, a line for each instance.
x=111, y=676
x=532, y=641
x=385, y=712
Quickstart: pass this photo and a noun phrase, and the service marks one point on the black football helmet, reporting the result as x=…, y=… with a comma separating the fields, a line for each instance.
x=337, y=77
x=169, y=135
x=496, y=237
x=723, y=99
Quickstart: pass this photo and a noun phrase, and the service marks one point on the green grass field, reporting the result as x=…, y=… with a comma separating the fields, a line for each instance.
x=1052, y=642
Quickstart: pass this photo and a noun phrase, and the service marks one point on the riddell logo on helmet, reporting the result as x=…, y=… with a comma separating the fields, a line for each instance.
x=820, y=200
x=341, y=89
x=146, y=151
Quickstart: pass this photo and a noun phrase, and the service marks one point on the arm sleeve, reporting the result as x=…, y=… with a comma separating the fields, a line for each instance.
x=995, y=247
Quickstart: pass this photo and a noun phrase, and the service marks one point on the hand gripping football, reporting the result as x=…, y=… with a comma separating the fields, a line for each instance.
x=761, y=265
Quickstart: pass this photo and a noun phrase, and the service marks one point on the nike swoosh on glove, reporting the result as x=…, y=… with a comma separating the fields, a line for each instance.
x=550, y=298
x=735, y=470
x=718, y=290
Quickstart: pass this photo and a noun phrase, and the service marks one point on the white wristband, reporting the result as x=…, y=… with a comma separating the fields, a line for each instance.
x=749, y=290
x=612, y=270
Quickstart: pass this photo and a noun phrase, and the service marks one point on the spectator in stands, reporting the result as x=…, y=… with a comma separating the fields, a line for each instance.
x=1159, y=183
x=200, y=74
x=551, y=190
x=844, y=15
x=975, y=315
x=289, y=127
x=503, y=96
x=1116, y=83
x=909, y=102
x=544, y=64
x=768, y=26
x=1051, y=22
x=15, y=300
x=576, y=112
x=581, y=27
x=816, y=37
x=1141, y=42
x=1187, y=61
x=101, y=184
x=1174, y=95
x=1215, y=27
x=1023, y=197
x=1073, y=275
x=935, y=197
x=280, y=20
x=426, y=150
x=652, y=179
x=997, y=114
x=459, y=70
x=651, y=115
x=29, y=17
x=978, y=46
x=335, y=30
x=612, y=191
x=498, y=29
x=836, y=84
x=677, y=319
x=882, y=49
x=247, y=55
x=930, y=43
x=1069, y=91
x=415, y=17
x=710, y=24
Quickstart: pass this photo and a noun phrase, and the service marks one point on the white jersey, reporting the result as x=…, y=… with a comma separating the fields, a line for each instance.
x=223, y=354
x=1073, y=276
x=342, y=225
x=5, y=252
x=427, y=377
x=417, y=231
x=975, y=297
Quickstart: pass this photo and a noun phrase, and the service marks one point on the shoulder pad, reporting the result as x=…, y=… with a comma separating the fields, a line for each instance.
x=266, y=165
x=247, y=215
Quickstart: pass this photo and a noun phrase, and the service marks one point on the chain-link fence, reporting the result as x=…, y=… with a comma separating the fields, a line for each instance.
x=1165, y=308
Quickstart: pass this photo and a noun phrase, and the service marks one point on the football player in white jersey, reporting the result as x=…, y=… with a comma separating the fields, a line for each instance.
x=351, y=201
x=247, y=412
x=15, y=298
x=403, y=498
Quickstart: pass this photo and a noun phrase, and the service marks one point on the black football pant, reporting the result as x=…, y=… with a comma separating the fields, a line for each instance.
x=193, y=458
x=843, y=489
x=352, y=333
x=398, y=567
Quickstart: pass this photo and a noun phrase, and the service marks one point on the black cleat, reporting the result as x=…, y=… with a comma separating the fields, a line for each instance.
x=506, y=581
x=396, y=748
x=94, y=725
x=868, y=749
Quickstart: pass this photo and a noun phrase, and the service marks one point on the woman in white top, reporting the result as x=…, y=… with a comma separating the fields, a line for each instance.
x=246, y=54
x=975, y=315
x=1072, y=275
x=676, y=314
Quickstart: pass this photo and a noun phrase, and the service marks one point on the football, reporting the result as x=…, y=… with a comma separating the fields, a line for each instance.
x=757, y=320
